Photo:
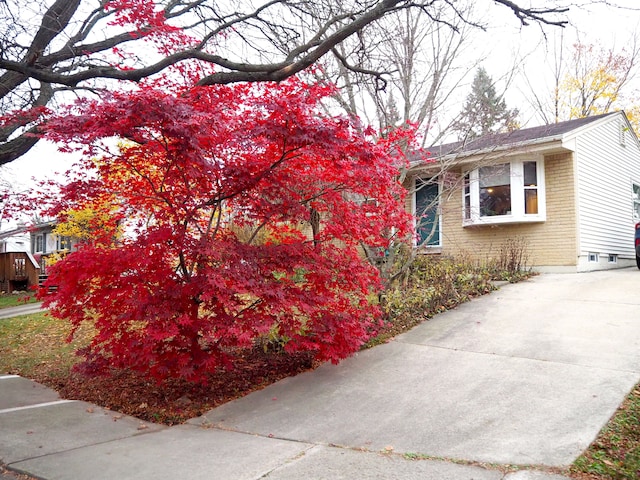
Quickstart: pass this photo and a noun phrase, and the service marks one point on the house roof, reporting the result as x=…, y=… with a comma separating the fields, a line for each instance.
x=24, y=228
x=43, y=225
x=14, y=231
x=514, y=138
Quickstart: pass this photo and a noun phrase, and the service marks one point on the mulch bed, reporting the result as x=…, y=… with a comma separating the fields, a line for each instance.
x=177, y=401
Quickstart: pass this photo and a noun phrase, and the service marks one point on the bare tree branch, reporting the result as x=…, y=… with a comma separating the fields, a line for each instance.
x=541, y=15
x=71, y=43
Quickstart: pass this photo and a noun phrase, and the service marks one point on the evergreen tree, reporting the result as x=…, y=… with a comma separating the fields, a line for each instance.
x=484, y=112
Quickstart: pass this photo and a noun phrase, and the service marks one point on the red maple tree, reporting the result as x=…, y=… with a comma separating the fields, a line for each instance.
x=236, y=213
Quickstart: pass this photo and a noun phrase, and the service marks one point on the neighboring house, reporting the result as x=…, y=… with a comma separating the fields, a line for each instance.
x=18, y=268
x=571, y=190
x=46, y=244
x=15, y=240
x=26, y=252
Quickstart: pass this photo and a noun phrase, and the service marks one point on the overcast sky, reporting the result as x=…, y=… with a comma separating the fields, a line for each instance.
x=532, y=47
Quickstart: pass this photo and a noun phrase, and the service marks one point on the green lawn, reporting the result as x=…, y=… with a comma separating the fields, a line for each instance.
x=7, y=301
x=35, y=346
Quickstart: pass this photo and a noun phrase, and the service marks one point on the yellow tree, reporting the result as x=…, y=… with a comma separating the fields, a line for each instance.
x=598, y=81
x=99, y=216
x=82, y=223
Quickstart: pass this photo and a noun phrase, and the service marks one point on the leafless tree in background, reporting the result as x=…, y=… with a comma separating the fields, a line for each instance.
x=51, y=46
x=586, y=80
x=422, y=57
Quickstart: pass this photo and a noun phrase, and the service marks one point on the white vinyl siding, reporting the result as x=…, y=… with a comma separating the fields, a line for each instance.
x=605, y=180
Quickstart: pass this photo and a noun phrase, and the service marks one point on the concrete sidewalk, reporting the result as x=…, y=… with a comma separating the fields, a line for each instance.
x=525, y=376
x=25, y=309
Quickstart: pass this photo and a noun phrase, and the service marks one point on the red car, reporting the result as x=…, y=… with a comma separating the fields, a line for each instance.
x=638, y=244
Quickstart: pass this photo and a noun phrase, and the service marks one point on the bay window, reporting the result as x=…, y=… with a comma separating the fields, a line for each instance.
x=530, y=187
x=508, y=192
x=495, y=190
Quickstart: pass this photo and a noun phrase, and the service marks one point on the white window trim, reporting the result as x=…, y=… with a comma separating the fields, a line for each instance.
x=63, y=242
x=517, y=214
x=437, y=247
x=39, y=248
x=635, y=202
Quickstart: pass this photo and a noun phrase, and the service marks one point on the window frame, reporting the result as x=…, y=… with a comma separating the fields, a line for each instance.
x=635, y=198
x=435, y=181
x=471, y=215
x=39, y=243
x=63, y=242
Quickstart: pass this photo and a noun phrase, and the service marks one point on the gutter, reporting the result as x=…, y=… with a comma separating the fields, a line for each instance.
x=512, y=148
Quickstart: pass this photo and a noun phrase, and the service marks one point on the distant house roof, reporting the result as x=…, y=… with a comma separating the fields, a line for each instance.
x=515, y=138
x=21, y=229
x=46, y=225
x=24, y=228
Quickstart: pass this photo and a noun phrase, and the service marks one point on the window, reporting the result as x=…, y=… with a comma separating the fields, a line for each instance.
x=636, y=201
x=613, y=258
x=39, y=244
x=427, y=199
x=594, y=257
x=495, y=190
x=510, y=192
x=63, y=243
x=467, y=197
x=530, y=188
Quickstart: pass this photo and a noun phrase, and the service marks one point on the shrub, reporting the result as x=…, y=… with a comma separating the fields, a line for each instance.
x=432, y=285
x=510, y=264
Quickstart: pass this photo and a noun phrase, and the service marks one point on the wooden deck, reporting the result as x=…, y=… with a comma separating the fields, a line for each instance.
x=18, y=271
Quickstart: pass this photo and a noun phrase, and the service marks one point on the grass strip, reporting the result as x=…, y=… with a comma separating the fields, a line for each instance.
x=35, y=346
x=7, y=301
x=615, y=453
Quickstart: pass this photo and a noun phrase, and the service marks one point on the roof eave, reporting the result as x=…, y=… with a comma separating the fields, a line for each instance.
x=536, y=146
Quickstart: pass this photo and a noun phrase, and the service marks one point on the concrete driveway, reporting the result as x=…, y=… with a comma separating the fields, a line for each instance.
x=525, y=376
